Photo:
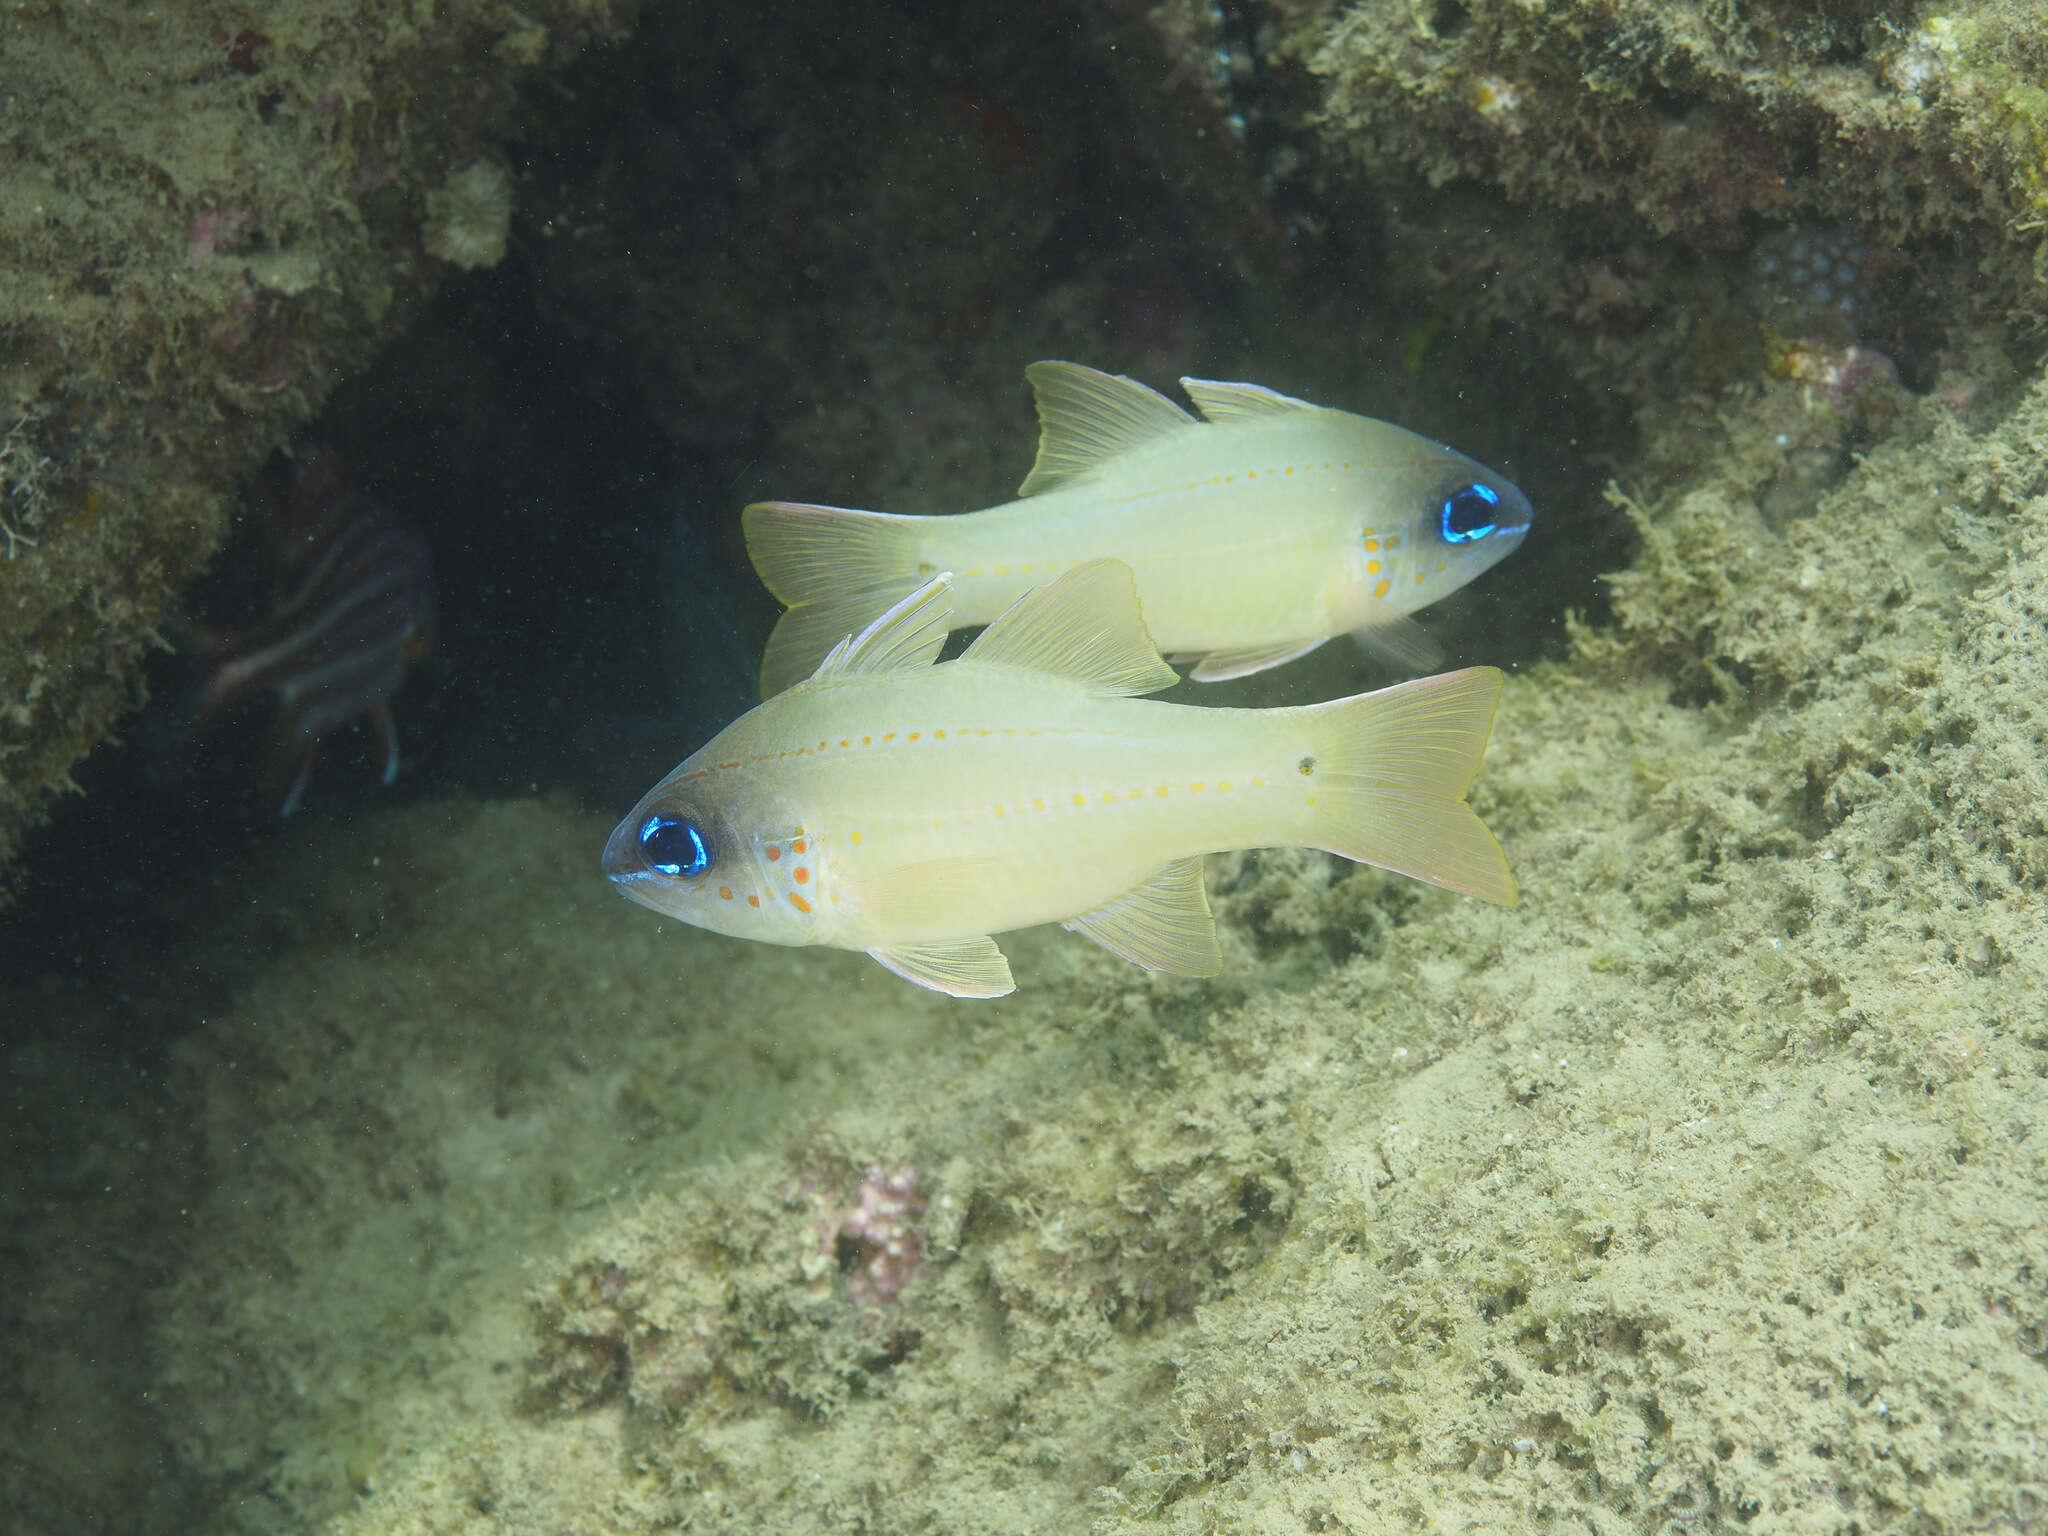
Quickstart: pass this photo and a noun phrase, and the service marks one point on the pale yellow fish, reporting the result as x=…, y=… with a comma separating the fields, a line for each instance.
x=911, y=810
x=1256, y=533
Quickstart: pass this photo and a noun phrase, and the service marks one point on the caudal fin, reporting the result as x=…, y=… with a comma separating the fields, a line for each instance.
x=835, y=569
x=1391, y=775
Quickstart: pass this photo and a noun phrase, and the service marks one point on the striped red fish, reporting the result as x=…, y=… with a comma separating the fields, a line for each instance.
x=356, y=609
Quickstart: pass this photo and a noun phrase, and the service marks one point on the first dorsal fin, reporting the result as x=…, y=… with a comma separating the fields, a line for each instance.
x=1084, y=626
x=1086, y=418
x=1228, y=405
x=906, y=637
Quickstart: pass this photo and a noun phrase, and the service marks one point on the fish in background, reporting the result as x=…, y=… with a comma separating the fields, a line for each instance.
x=353, y=611
x=913, y=810
x=1256, y=532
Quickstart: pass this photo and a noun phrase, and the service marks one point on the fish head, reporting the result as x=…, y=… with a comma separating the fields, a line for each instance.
x=711, y=845
x=1431, y=525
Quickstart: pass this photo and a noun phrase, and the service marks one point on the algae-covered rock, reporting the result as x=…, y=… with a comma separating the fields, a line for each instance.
x=1701, y=1187
x=1701, y=1191
x=208, y=218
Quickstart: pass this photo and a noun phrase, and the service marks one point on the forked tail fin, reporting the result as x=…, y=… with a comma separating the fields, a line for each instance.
x=1390, y=777
x=835, y=569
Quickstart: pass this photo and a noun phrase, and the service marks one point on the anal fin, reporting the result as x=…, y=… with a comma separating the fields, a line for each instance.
x=1220, y=666
x=957, y=967
x=1163, y=924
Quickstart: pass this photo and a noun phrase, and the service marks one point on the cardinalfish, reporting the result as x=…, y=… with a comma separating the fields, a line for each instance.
x=913, y=810
x=1256, y=533
x=355, y=609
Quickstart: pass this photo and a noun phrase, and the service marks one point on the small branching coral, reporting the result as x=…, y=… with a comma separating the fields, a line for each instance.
x=24, y=484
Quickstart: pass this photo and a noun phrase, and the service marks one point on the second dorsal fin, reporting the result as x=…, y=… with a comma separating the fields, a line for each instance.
x=1224, y=404
x=1084, y=626
x=1086, y=418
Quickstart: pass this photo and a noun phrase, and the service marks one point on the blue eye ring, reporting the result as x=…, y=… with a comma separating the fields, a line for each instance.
x=1459, y=519
x=673, y=846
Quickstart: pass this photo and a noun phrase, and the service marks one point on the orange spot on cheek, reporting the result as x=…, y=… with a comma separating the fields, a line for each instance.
x=801, y=875
x=725, y=893
x=797, y=846
x=774, y=853
x=799, y=903
x=753, y=901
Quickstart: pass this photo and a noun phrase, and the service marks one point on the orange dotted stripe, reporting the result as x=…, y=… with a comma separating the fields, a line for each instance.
x=1079, y=799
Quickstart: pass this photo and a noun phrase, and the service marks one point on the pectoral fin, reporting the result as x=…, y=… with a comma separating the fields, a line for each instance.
x=921, y=895
x=957, y=967
x=1163, y=925
x=1401, y=643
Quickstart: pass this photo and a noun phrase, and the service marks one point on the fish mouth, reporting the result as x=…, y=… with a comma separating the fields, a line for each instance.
x=622, y=862
x=1516, y=513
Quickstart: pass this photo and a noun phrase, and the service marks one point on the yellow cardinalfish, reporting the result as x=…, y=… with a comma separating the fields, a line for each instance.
x=912, y=810
x=1256, y=533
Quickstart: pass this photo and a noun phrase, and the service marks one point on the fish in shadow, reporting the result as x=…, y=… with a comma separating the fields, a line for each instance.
x=353, y=611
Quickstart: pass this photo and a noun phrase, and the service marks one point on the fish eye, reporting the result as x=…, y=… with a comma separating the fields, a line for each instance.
x=1470, y=514
x=674, y=846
